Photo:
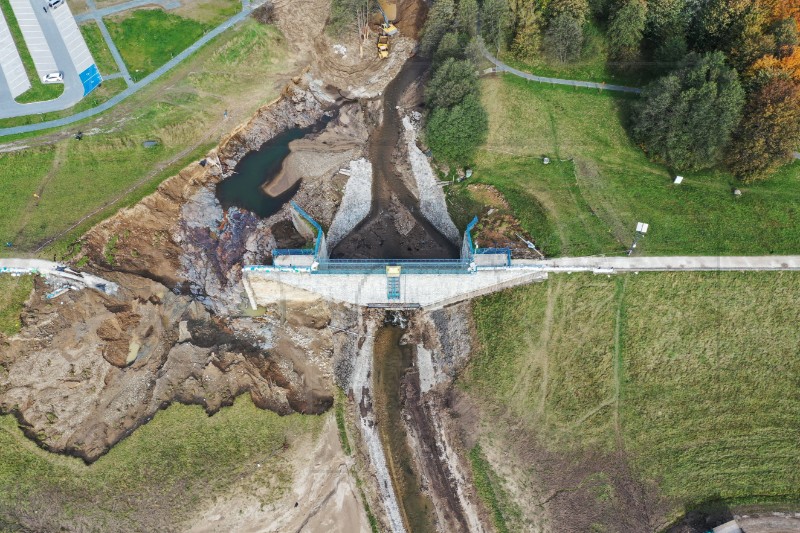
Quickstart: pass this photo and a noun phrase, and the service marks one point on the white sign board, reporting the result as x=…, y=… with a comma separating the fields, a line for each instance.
x=641, y=227
x=678, y=180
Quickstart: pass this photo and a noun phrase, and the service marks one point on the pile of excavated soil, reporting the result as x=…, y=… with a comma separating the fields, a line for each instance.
x=88, y=368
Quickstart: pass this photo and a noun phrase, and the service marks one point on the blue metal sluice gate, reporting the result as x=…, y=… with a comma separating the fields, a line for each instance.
x=324, y=265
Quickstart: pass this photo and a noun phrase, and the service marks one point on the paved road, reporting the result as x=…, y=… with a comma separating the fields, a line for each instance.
x=796, y=155
x=73, y=88
x=133, y=89
x=95, y=13
x=663, y=264
x=502, y=67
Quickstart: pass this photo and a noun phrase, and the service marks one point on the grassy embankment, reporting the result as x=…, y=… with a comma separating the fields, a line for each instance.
x=156, y=477
x=691, y=375
x=13, y=293
x=39, y=91
x=148, y=38
x=600, y=183
x=183, y=111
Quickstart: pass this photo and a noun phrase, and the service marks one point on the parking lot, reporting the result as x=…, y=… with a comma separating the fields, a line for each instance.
x=56, y=45
x=11, y=64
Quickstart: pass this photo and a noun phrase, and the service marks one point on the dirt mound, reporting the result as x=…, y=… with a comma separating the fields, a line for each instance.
x=88, y=368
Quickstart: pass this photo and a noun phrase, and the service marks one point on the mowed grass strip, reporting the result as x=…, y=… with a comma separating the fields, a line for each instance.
x=98, y=47
x=148, y=38
x=39, y=91
x=103, y=165
x=704, y=401
x=710, y=404
x=211, y=12
x=613, y=184
x=157, y=476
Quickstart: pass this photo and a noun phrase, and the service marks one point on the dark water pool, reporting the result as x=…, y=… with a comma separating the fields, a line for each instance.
x=243, y=188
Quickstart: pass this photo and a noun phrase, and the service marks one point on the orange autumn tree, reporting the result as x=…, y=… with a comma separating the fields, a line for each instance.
x=769, y=131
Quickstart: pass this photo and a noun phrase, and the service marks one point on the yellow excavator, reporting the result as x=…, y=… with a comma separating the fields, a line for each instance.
x=389, y=12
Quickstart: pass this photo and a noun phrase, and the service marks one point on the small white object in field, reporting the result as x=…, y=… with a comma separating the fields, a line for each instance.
x=678, y=180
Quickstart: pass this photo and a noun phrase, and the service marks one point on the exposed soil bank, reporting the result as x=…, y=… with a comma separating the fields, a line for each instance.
x=391, y=364
x=395, y=227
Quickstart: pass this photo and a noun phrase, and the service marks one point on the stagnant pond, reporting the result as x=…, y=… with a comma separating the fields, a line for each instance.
x=243, y=188
x=391, y=362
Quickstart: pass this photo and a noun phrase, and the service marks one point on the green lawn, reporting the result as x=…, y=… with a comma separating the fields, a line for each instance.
x=38, y=91
x=211, y=12
x=148, y=38
x=600, y=184
x=154, y=478
x=74, y=178
x=13, y=293
x=98, y=47
x=693, y=376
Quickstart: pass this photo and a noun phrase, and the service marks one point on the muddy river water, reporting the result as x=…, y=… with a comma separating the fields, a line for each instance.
x=391, y=363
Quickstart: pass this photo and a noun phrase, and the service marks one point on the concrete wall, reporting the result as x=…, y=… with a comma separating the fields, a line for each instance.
x=427, y=290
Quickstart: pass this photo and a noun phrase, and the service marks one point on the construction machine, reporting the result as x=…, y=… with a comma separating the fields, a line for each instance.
x=389, y=12
x=383, y=46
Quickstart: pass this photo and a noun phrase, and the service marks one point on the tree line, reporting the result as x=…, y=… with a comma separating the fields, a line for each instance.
x=725, y=74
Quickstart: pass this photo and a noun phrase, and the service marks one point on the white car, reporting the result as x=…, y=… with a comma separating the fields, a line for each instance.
x=55, y=3
x=53, y=77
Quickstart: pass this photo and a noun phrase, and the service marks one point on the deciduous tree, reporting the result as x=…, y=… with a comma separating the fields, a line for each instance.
x=577, y=9
x=563, y=39
x=769, y=132
x=685, y=118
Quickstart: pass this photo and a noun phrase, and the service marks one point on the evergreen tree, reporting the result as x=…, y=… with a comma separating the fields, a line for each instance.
x=451, y=83
x=467, y=16
x=455, y=133
x=440, y=20
x=626, y=30
x=495, y=23
x=685, y=118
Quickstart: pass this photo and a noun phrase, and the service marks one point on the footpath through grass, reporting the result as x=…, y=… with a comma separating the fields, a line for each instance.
x=183, y=112
x=600, y=183
x=156, y=477
x=148, y=38
x=693, y=376
x=98, y=47
x=39, y=91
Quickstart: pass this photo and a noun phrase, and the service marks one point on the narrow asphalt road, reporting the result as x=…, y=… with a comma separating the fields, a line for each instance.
x=95, y=13
x=502, y=67
x=663, y=264
x=133, y=89
x=112, y=47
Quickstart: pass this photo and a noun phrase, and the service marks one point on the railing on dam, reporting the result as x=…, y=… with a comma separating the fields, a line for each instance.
x=472, y=259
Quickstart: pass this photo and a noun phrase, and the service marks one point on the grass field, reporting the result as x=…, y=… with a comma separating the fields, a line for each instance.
x=38, y=91
x=13, y=293
x=98, y=47
x=148, y=38
x=156, y=477
x=74, y=178
x=600, y=184
x=211, y=12
x=692, y=376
